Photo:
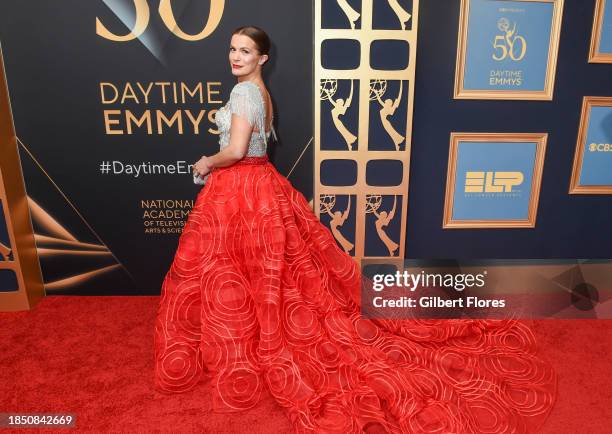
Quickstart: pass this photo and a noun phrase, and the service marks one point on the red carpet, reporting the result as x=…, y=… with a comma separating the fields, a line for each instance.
x=93, y=357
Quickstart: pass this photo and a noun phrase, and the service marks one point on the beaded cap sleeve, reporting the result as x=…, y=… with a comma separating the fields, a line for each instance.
x=247, y=102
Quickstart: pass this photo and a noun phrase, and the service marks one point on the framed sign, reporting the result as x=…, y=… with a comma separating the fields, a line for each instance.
x=601, y=37
x=493, y=180
x=507, y=49
x=592, y=170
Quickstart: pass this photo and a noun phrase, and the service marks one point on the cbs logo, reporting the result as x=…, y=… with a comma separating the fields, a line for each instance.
x=143, y=14
x=492, y=182
x=600, y=147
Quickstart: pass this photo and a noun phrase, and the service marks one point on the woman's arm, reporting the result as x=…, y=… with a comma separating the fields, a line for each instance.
x=240, y=136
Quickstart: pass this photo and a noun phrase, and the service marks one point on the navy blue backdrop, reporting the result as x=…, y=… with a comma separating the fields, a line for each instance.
x=567, y=226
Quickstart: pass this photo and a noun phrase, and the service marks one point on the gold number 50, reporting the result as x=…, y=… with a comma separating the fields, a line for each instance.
x=165, y=12
x=507, y=46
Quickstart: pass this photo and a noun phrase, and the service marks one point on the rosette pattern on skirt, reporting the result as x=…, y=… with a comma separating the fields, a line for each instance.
x=260, y=296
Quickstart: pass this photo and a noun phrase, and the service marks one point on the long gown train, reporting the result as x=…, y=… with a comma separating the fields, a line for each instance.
x=260, y=296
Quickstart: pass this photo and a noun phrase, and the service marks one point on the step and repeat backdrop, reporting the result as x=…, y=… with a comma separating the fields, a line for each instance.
x=113, y=100
x=493, y=139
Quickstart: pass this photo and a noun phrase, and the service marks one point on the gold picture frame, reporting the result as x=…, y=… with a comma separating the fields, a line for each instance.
x=588, y=102
x=545, y=94
x=595, y=56
x=449, y=222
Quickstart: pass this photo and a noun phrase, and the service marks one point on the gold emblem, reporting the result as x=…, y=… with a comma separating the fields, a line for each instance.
x=383, y=218
x=508, y=44
x=326, y=205
x=328, y=89
x=378, y=88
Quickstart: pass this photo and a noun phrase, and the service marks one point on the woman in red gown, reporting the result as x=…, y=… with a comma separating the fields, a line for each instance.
x=259, y=296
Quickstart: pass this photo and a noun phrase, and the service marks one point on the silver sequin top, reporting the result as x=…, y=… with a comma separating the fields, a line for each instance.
x=247, y=101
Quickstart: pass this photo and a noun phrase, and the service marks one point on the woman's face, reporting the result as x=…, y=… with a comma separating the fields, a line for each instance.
x=244, y=56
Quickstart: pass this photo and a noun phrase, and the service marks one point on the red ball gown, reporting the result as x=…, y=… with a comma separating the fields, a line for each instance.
x=259, y=296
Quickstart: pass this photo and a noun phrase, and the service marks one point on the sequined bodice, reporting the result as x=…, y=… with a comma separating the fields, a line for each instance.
x=245, y=100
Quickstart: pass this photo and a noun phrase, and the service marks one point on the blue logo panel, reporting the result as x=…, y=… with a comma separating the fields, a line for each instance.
x=605, y=43
x=507, y=45
x=493, y=180
x=597, y=153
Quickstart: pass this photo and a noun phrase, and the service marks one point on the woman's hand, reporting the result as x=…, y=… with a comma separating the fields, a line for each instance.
x=202, y=166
